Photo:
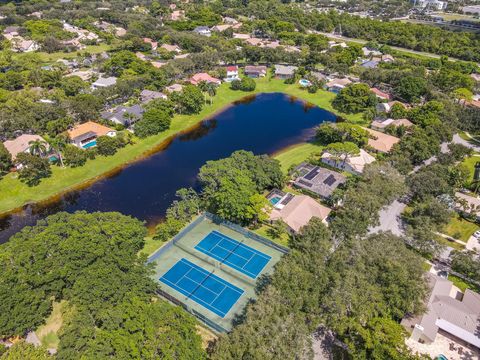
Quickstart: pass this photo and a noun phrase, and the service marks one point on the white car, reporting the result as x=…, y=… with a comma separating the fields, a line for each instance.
x=476, y=234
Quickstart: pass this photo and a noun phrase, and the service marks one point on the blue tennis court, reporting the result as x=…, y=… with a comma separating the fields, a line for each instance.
x=233, y=253
x=205, y=288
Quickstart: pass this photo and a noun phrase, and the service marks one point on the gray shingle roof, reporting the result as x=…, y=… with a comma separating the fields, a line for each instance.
x=319, y=180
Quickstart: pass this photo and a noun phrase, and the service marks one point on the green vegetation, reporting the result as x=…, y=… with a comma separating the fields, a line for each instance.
x=460, y=228
x=462, y=284
x=48, y=333
x=89, y=264
x=14, y=194
x=266, y=231
x=296, y=154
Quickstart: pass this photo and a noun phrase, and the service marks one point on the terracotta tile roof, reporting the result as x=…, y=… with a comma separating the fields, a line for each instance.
x=197, y=78
x=87, y=127
x=20, y=144
x=299, y=211
x=381, y=142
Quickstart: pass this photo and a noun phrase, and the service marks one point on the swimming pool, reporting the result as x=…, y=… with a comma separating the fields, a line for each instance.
x=275, y=200
x=304, y=82
x=90, y=144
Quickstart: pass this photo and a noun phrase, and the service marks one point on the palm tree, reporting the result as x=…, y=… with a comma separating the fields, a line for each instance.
x=203, y=86
x=58, y=144
x=38, y=147
x=211, y=91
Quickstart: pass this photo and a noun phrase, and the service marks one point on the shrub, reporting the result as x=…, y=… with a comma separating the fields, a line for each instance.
x=153, y=122
x=74, y=157
x=107, y=145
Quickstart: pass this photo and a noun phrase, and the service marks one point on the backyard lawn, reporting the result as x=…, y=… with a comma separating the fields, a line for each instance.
x=470, y=162
x=14, y=194
x=460, y=228
x=462, y=284
x=296, y=154
x=47, y=333
x=263, y=231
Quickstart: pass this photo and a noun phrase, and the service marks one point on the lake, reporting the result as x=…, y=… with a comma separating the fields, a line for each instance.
x=263, y=124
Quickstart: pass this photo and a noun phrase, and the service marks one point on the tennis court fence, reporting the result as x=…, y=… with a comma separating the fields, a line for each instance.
x=219, y=221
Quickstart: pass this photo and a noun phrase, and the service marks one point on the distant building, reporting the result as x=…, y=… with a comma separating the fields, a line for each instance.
x=336, y=85
x=285, y=71
x=386, y=107
x=21, y=144
x=318, y=180
x=203, y=30
x=387, y=58
x=232, y=73
x=152, y=43
x=297, y=210
x=381, y=125
x=370, y=64
x=85, y=135
x=472, y=9
x=149, y=95
x=198, y=78
x=353, y=164
x=104, y=82
x=381, y=142
x=255, y=71
x=220, y=28
x=370, y=52
x=123, y=115
x=380, y=94
x=174, y=88
x=171, y=48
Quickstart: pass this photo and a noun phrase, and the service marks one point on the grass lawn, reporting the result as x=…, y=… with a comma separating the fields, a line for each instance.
x=92, y=49
x=294, y=155
x=470, y=162
x=48, y=333
x=452, y=244
x=460, y=228
x=263, y=231
x=14, y=194
x=151, y=246
x=462, y=284
x=426, y=266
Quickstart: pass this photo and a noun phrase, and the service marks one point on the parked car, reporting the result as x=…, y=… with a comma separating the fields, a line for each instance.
x=477, y=234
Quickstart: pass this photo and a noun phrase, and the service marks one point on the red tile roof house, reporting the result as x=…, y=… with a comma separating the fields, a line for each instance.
x=232, y=73
x=198, y=78
x=85, y=135
x=380, y=94
x=152, y=43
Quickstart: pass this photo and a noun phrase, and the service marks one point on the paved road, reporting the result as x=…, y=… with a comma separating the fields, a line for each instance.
x=360, y=41
x=470, y=144
x=390, y=219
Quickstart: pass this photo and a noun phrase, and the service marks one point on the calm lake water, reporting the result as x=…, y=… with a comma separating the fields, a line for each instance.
x=263, y=124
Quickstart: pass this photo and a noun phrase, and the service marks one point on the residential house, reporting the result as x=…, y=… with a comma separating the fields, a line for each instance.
x=232, y=73
x=152, y=43
x=297, y=210
x=380, y=94
x=21, y=144
x=181, y=56
x=285, y=71
x=241, y=36
x=230, y=21
x=203, y=30
x=11, y=30
x=141, y=56
x=222, y=27
x=177, y=15
x=171, y=48
x=149, y=95
x=20, y=44
x=332, y=44
x=370, y=64
x=158, y=64
x=387, y=58
x=198, y=78
x=104, y=82
x=174, y=88
x=382, y=124
x=124, y=115
x=381, y=142
x=353, y=164
x=318, y=180
x=85, y=135
x=451, y=317
x=318, y=76
x=255, y=71
x=369, y=52
x=253, y=41
x=84, y=75
x=336, y=85
x=386, y=107
x=475, y=77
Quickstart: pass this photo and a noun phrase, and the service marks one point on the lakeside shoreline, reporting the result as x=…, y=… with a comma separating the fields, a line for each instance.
x=144, y=148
